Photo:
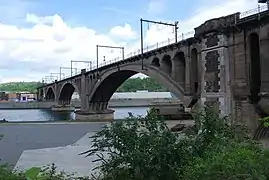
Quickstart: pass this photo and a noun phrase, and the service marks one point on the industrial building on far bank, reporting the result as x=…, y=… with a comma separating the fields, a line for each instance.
x=17, y=96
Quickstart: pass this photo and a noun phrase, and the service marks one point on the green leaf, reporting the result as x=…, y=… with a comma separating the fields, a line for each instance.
x=32, y=173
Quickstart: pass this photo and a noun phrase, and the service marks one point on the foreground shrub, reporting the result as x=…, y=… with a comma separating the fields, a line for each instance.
x=140, y=148
x=7, y=174
x=36, y=173
x=144, y=148
x=235, y=161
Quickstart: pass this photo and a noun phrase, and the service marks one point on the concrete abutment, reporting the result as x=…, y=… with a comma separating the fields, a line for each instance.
x=104, y=115
x=61, y=108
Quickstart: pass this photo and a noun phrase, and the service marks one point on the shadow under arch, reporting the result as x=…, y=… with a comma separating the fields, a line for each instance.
x=41, y=94
x=255, y=67
x=66, y=92
x=180, y=64
x=166, y=64
x=155, y=62
x=194, y=70
x=50, y=94
x=110, y=80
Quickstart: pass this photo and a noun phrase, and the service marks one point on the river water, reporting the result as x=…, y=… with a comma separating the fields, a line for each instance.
x=24, y=115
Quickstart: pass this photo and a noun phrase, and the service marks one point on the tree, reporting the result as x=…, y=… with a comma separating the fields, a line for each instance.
x=130, y=85
x=20, y=86
x=135, y=84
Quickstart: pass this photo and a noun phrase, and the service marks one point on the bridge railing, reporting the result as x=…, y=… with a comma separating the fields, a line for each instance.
x=148, y=48
x=257, y=10
x=169, y=41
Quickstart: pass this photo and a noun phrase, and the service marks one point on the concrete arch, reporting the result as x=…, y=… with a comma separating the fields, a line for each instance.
x=41, y=94
x=66, y=92
x=166, y=64
x=50, y=94
x=110, y=80
x=194, y=70
x=179, y=63
x=156, y=62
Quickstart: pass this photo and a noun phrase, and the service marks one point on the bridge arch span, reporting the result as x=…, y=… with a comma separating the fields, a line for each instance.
x=166, y=64
x=110, y=80
x=66, y=92
x=50, y=94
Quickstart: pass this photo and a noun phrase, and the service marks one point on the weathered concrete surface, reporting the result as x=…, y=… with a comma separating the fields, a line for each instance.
x=107, y=115
x=65, y=158
x=20, y=137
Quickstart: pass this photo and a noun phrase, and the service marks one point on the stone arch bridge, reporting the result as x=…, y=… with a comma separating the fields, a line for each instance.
x=226, y=63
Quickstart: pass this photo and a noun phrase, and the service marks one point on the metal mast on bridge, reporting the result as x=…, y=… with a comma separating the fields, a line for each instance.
x=175, y=25
x=264, y=1
x=72, y=61
x=103, y=46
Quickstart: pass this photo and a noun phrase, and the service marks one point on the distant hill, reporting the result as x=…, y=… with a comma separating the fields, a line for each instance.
x=130, y=85
x=19, y=86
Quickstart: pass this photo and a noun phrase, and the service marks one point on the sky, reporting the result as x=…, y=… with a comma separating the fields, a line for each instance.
x=37, y=37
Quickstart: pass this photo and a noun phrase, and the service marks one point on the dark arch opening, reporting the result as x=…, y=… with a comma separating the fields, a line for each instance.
x=50, y=94
x=41, y=95
x=66, y=93
x=167, y=64
x=180, y=66
x=107, y=88
x=255, y=68
x=156, y=62
x=194, y=70
x=108, y=85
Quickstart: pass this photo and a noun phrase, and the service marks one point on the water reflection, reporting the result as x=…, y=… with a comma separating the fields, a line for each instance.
x=47, y=115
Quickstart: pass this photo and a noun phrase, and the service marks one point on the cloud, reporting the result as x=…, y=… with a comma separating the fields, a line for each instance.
x=43, y=48
x=48, y=43
x=123, y=32
x=32, y=18
x=215, y=8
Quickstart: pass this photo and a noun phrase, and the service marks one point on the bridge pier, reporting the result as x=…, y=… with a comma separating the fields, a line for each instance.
x=105, y=115
x=63, y=106
x=215, y=88
x=97, y=112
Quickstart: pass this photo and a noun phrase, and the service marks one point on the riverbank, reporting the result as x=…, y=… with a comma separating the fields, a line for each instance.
x=42, y=115
x=170, y=122
x=113, y=103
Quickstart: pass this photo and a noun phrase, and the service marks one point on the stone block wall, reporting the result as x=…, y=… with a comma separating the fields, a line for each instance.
x=215, y=88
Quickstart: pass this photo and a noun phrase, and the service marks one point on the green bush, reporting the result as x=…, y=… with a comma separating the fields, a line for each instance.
x=7, y=174
x=140, y=148
x=36, y=173
x=265, y=121
x=235, y=161
x=144, y=148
